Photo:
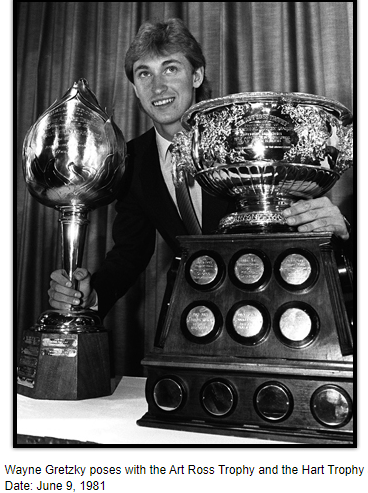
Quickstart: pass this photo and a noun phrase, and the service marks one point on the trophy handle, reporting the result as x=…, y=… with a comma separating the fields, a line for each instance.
x=74, y=224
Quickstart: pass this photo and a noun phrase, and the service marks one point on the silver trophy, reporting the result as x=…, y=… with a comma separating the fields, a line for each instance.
x=73, y=160
x=255, y=335
x=265, y=150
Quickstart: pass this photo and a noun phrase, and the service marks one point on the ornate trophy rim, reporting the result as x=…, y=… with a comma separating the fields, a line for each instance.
x=264, y=163
x=258, y=97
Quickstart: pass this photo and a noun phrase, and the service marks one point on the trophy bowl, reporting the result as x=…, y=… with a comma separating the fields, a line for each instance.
x=265, y=150
x=73, y=156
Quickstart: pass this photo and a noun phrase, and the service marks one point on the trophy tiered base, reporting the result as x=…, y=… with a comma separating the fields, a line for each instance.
x=255, y=340
x=65, y=356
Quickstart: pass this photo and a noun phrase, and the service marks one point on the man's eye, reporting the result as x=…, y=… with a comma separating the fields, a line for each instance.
x=143, y=75
x=171, y=69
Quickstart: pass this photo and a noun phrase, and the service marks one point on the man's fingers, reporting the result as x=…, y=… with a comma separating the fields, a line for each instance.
x=60, y=277
x=80, y=274
x=322, y=203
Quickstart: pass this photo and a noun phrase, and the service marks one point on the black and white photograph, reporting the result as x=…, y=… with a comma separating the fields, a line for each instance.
x=186, y=244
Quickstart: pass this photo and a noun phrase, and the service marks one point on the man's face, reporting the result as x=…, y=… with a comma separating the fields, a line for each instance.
x=165, y=87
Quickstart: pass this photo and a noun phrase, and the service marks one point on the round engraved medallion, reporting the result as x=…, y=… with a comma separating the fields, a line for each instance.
x=249, y=268
x=295, y=324
x=168, y=394
x=295, y=269
x=218, y=398
x=203, y=270
x=331, y=406
x=273, y=401
x=200, y=321
x=247, y=321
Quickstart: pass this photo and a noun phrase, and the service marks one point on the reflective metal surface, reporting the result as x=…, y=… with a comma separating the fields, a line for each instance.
x=200, y=321
x=249, y=268
x=295, y=324
x=74, y=154
x=331, y=406
x=247, y=321
x=273, y=402
x=264, y=150
x=74, y=321
x=295, y=269
x=73, y=160
x=168, y=394
x=203, y=270
x=218, y=398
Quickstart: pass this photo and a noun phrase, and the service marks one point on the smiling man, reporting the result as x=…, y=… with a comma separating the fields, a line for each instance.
x=166, y=66
x=165, y=86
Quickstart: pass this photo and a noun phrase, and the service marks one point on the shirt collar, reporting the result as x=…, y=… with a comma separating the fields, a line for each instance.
x=162, y=146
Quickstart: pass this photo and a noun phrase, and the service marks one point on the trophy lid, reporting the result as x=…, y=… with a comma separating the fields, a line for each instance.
x=273, y=98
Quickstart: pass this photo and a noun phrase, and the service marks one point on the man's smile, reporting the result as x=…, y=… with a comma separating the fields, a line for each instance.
x=163, y=102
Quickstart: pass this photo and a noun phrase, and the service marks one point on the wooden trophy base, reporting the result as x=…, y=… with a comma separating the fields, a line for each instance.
x=255, y=340
x=62, y=365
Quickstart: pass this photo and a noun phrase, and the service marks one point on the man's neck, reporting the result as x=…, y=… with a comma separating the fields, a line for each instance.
x=168, y=131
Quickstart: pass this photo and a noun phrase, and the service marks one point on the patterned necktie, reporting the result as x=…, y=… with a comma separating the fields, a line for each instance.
x=186, y=208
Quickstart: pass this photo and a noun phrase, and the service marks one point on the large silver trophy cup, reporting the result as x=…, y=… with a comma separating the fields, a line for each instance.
x=73, y=160
x=265, y=150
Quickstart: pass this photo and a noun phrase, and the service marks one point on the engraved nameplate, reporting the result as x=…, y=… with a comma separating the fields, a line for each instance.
x=33, y=340
x=200, y=321
x=203, y=270
x=295, y=269
x=260, y=133
x=57, y=351
x=249, y=268
x=247, y=321
x=60, y=342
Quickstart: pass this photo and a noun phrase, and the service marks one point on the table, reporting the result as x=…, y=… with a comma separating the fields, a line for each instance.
x=107, y=421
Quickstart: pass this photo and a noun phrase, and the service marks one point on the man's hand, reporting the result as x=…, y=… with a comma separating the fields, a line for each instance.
x=317, y=215
x=62, y=296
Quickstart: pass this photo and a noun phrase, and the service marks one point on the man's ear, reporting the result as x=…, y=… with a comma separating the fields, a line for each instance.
x=198, y=77
x=135, y=90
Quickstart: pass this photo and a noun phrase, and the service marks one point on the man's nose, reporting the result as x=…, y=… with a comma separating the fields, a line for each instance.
x=158, y=85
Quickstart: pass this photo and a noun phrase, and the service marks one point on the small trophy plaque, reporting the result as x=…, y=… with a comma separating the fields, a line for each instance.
x=73, y=160
x=255, y=336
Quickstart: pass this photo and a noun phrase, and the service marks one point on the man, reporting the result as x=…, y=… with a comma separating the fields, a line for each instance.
x=166, y=66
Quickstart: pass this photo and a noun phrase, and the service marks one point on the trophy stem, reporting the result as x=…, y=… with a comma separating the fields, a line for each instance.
x=74, y=224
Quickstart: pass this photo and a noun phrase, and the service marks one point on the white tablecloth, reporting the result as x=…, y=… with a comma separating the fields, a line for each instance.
x=108, y=420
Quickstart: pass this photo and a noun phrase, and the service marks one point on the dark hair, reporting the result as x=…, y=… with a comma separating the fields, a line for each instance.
x=164, y=38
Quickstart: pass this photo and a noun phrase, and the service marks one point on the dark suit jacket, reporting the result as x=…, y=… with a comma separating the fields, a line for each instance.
x=144, y=205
